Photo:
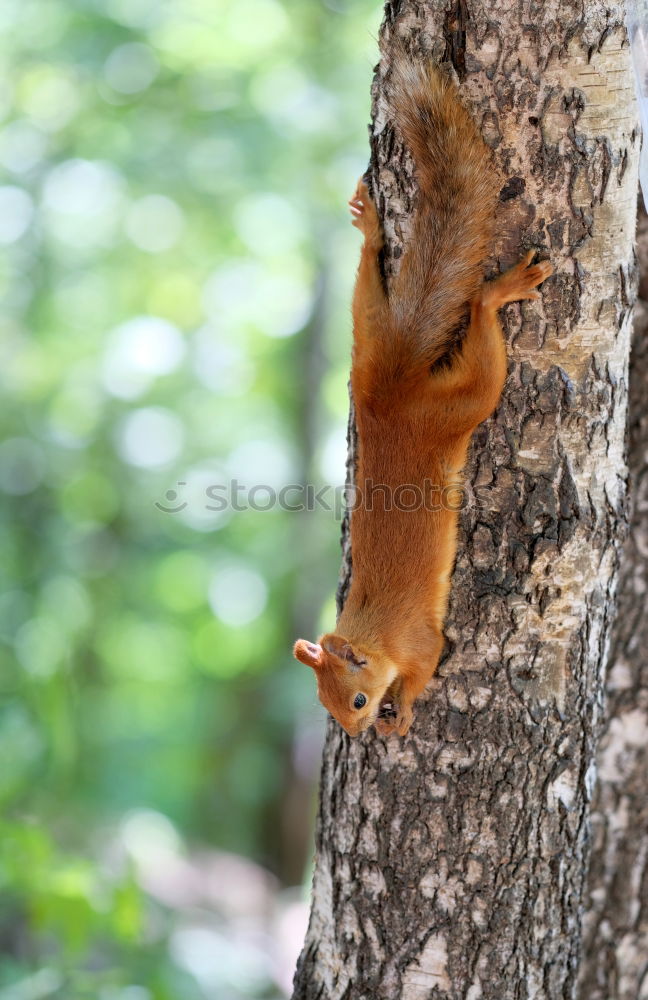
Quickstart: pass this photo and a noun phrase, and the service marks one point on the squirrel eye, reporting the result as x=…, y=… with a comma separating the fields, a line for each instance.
x=360, y=701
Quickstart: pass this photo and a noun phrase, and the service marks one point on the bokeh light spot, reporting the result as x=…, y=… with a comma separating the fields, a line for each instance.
x=131, y=68
x=40, y=646
x=139, y=350
x=150, y=437
x=82, y=201
x=22, y=146
x=181, y=580
x=237, y=594
x=16, y=211
x=154, y=223
x=277, y=302
x=268, y=224
x=22, y=466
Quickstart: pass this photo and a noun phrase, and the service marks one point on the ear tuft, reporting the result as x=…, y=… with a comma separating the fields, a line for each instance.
x=309, y=653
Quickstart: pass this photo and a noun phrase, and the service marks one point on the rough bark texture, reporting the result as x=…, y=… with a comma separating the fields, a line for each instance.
x=451, y=863
x=615, y=952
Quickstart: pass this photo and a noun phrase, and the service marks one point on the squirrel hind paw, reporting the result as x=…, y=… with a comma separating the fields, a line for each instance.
x=519, y=282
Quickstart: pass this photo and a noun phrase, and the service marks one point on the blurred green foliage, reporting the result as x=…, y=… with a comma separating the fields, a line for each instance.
x=176, y=268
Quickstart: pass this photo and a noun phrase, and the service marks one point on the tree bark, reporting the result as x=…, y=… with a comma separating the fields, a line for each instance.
x=451, y=863
x=615, y=939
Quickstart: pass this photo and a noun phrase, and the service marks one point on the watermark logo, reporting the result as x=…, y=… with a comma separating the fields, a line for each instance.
x=171, y=496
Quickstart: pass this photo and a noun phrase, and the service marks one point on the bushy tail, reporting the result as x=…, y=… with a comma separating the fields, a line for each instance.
x=454, y=219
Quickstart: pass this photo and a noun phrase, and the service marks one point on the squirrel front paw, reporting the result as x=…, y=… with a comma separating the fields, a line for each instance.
x=385, y=727
x=399, y=723
x=404, y=720
x=364, y=215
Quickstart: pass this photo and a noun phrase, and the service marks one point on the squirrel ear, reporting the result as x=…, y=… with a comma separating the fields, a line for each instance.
x=337, y=645
x=309, y=653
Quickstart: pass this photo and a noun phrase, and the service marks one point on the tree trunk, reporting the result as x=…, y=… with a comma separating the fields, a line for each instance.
x=452, y=863
x=615, y=940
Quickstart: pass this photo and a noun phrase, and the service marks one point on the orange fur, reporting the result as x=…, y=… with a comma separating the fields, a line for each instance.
x=418, y=399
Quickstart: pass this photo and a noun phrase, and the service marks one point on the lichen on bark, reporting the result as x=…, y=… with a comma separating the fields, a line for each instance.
x=451, y=863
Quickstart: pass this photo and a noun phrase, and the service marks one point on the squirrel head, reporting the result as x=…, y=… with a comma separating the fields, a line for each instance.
x=352, y=683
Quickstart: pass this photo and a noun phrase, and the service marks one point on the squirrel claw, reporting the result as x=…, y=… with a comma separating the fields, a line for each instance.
x=399, y=723
x=404, y=720
x=363, y=214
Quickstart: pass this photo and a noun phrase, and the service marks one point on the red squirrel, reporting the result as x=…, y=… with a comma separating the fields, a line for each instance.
x=419, y=392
